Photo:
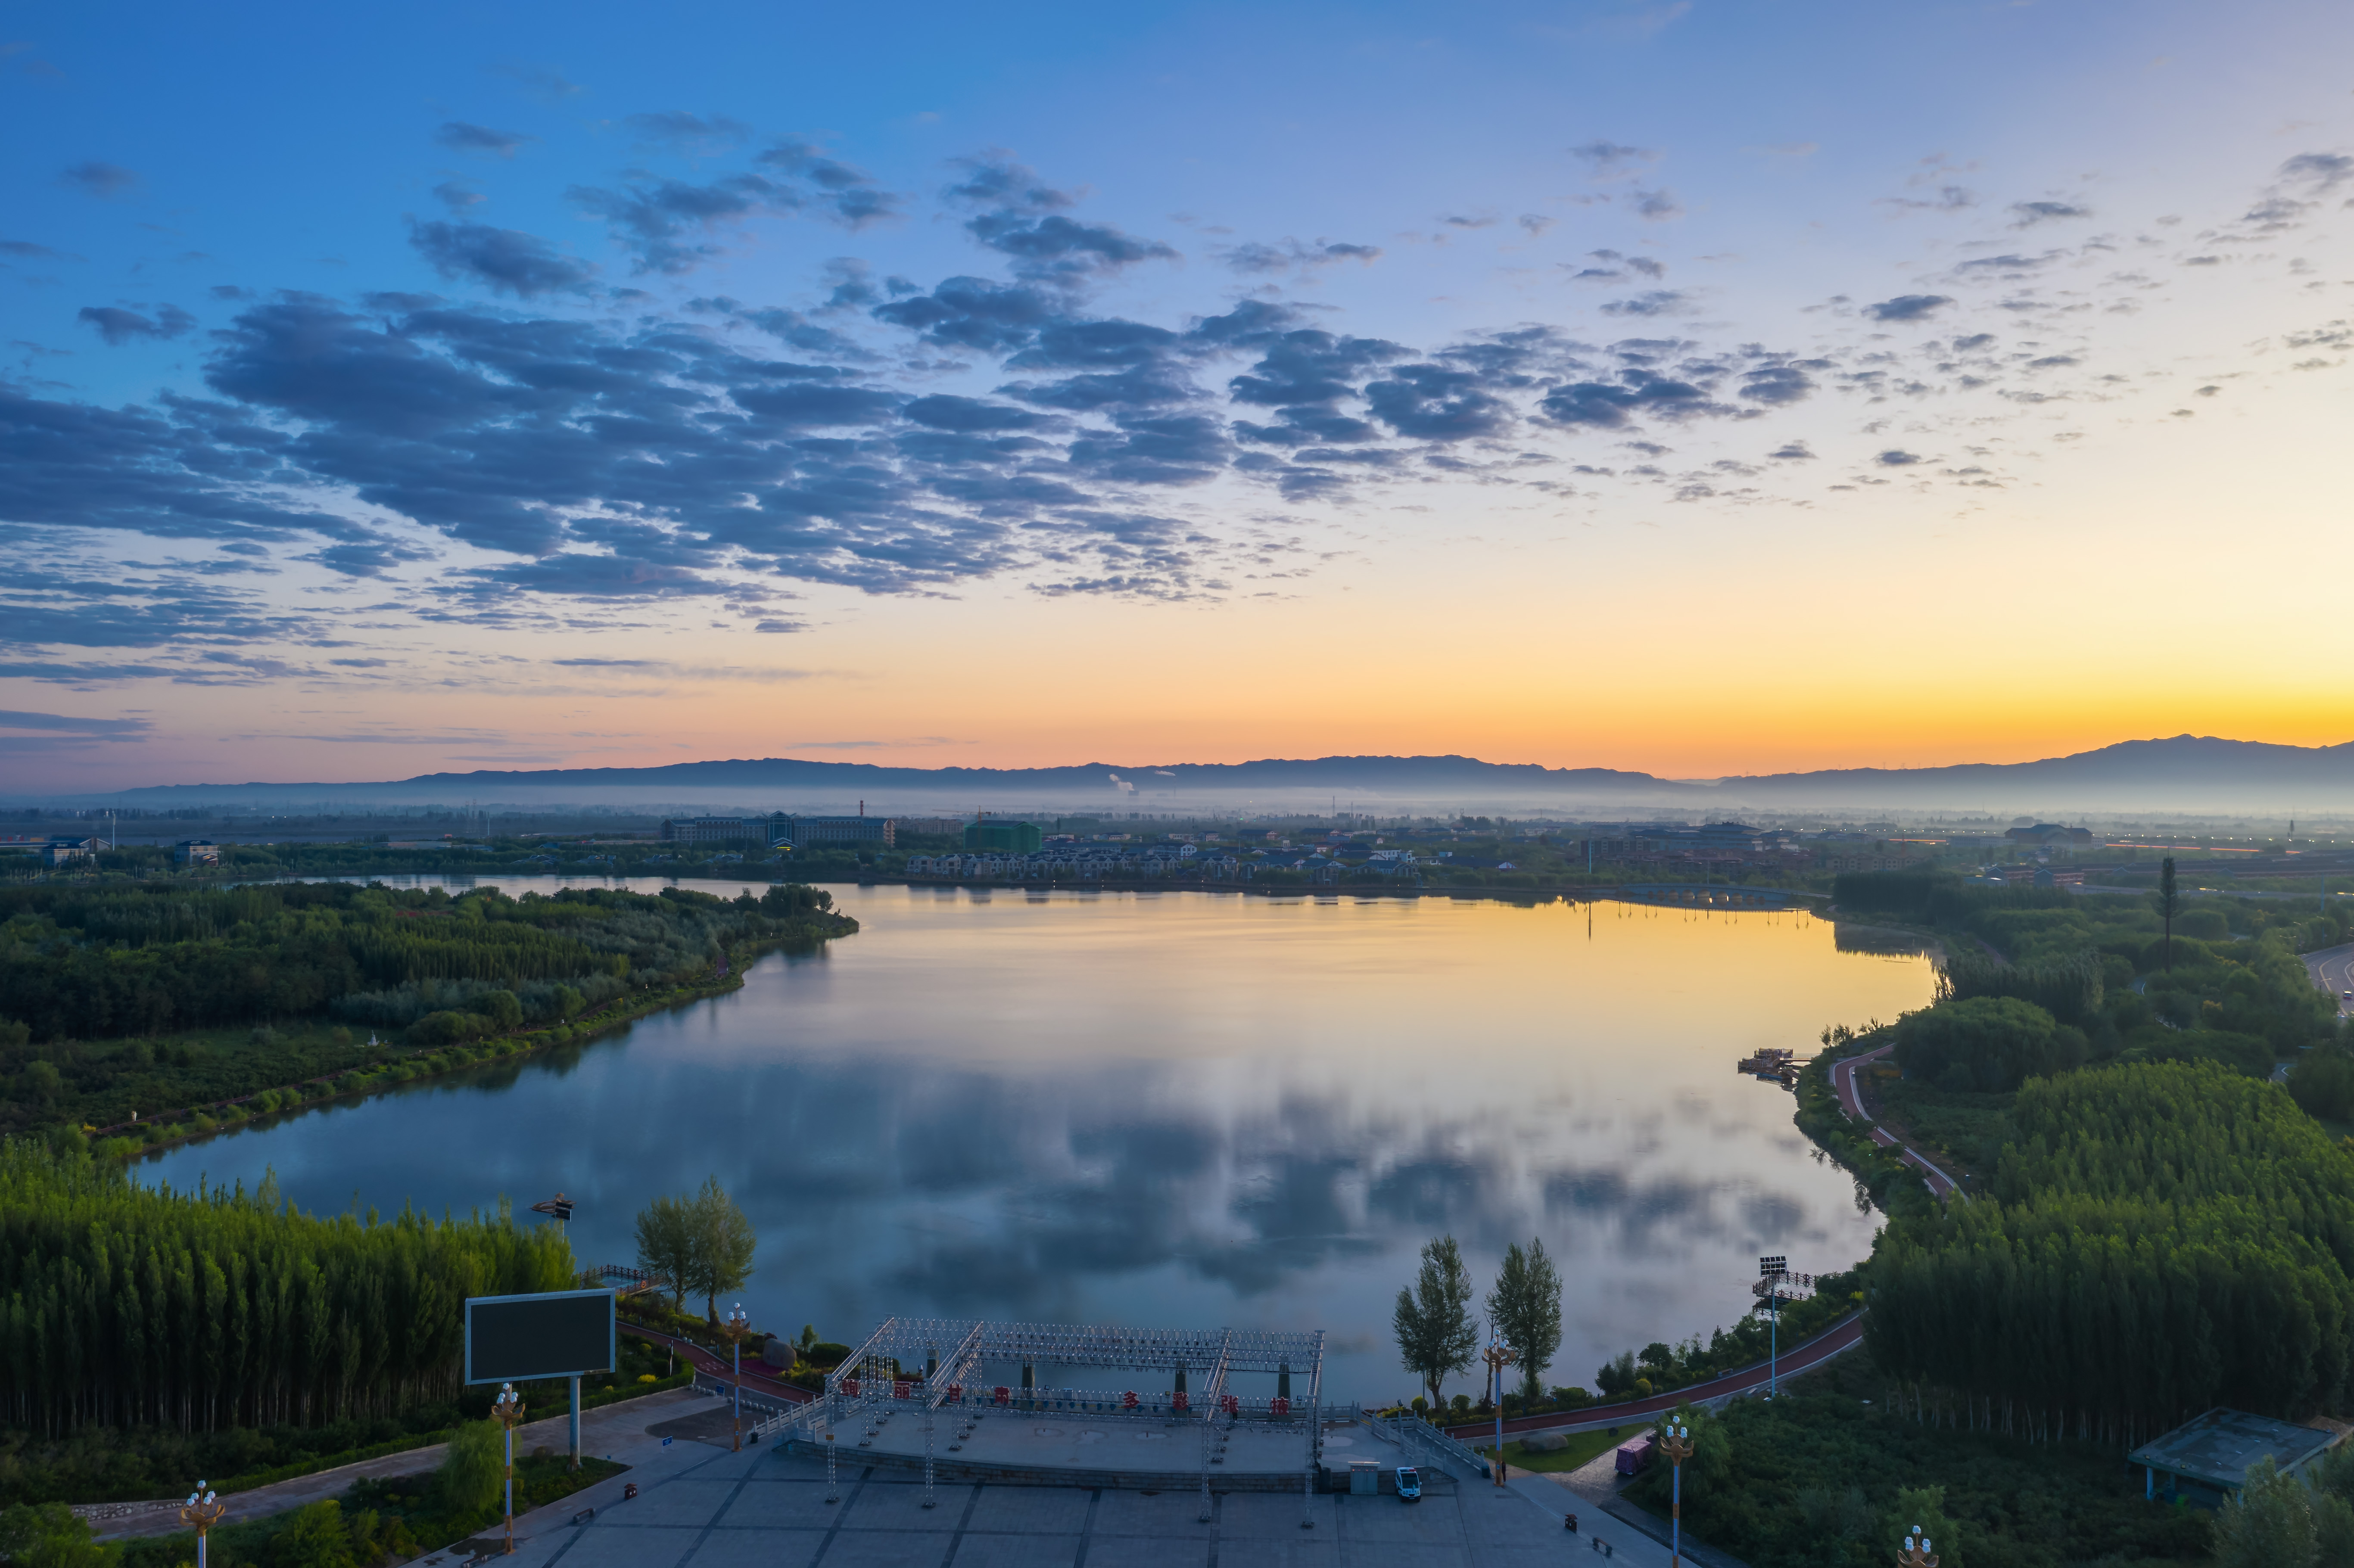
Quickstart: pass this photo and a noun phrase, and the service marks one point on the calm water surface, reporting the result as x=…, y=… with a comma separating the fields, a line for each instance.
x=1177, y=1110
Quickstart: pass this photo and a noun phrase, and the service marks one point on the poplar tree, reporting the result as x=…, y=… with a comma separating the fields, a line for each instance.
x=2169, y=905
x=1437, y=1335
x=724, y=1246
x=1525, y=1307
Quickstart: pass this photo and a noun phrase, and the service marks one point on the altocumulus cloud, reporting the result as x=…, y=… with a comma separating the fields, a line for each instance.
x=875, y=433
x=505, y=259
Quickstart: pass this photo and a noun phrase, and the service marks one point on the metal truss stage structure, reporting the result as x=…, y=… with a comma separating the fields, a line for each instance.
x=939, y=1370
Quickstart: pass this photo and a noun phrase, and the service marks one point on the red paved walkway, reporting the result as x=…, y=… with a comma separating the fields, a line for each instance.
x=758, y=1376
x=1843, y=1335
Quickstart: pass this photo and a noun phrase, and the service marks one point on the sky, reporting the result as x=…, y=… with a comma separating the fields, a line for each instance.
x=1692, y=388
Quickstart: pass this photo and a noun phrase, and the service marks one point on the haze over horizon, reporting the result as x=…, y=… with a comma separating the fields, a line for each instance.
x=1668, y=387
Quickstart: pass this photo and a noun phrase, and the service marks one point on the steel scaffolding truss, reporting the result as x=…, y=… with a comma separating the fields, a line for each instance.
x=931, y=1362
x=960, y=1346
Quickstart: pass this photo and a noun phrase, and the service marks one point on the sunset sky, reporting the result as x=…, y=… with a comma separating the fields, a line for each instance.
x=1694, y=387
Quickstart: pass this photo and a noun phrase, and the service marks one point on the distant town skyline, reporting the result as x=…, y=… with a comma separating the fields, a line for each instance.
x=1663, y=387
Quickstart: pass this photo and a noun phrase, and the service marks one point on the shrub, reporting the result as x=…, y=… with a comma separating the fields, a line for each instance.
x=2205, y=924
x=2323, y=1083
x=502, y=1009
x=314, y=1538
x=468, y=1479
x=444, y=1028
x=2244, y=1053
x=1988, y=1043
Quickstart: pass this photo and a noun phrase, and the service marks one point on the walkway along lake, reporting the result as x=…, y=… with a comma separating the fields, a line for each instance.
x=1177, y=1108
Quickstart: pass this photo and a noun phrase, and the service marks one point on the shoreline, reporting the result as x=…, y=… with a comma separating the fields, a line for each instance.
x=384, y=1076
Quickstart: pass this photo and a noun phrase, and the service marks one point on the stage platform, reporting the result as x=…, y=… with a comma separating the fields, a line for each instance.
x=1029, y=1448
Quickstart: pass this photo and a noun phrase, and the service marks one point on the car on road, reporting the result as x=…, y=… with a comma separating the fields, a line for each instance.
x=1409, y=1484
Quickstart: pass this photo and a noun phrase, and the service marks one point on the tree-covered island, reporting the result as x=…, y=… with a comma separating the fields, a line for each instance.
x=131, y=1013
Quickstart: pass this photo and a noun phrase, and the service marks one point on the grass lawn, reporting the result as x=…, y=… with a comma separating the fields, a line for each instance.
x=1583, y=1446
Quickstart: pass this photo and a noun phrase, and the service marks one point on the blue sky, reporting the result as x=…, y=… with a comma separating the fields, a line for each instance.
x=366, y=373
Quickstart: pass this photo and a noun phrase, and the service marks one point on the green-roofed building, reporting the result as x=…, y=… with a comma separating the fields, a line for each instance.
x=2207, y=1459
x=1003, y=835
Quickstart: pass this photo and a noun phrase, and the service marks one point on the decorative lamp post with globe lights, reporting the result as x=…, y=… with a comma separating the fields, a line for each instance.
x=507, y=1410
x=739, y=1324
x=1497, y=1358
x=1676, y=1443
x=1917, y=1551
x=200, y=1513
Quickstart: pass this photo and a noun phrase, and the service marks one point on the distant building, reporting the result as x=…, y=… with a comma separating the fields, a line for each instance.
x=64, y=851
x=710, y=830
x=1004, y=835
x=2050, y=834
x=195, y=851
x=783, y=828
x=935, y=826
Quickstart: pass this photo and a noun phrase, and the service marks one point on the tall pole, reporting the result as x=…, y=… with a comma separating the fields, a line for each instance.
x=201, y=1512
x=1675, y=1442
x=576, y=1421
x=507, y=1410
x=1497, y=1358
x=737, y=1325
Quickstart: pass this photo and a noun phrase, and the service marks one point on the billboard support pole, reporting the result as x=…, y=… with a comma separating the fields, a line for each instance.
x=576, y=1421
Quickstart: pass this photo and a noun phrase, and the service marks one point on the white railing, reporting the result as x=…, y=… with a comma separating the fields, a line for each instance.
x=1412, y=1434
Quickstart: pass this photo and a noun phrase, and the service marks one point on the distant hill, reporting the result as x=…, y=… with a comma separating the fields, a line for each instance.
x=2186, y=770
x=2184, y=773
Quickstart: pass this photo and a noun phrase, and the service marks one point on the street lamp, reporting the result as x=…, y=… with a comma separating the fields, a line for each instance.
x=1675, y=1442
x=507, y=1410
x=737, y=1325
x=201, y=1512
x=1917, y=1551
x=1497, y=1358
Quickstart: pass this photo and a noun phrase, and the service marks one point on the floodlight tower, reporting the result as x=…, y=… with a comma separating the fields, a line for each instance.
x=1917, y=1551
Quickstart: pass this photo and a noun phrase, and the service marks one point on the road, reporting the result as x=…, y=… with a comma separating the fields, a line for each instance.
x=1851, y=1101
x=1841, y=1336
x=608, y=1430
x=2332, y=970
x=758, y=1376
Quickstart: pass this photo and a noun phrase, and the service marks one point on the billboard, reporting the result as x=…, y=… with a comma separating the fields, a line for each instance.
x=557, y=1333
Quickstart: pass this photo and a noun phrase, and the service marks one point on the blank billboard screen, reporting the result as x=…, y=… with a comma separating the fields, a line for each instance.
x=559, y=1334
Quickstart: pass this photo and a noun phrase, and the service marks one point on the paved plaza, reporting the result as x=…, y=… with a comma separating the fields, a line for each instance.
x=1023, y=1440
x=700, y=1507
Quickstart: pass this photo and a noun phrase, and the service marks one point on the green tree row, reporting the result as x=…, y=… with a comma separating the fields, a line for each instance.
x=2162, y=1238
x=124, y=1305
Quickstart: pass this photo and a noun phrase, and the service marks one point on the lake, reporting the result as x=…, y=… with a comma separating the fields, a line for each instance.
x=1177, y=1109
